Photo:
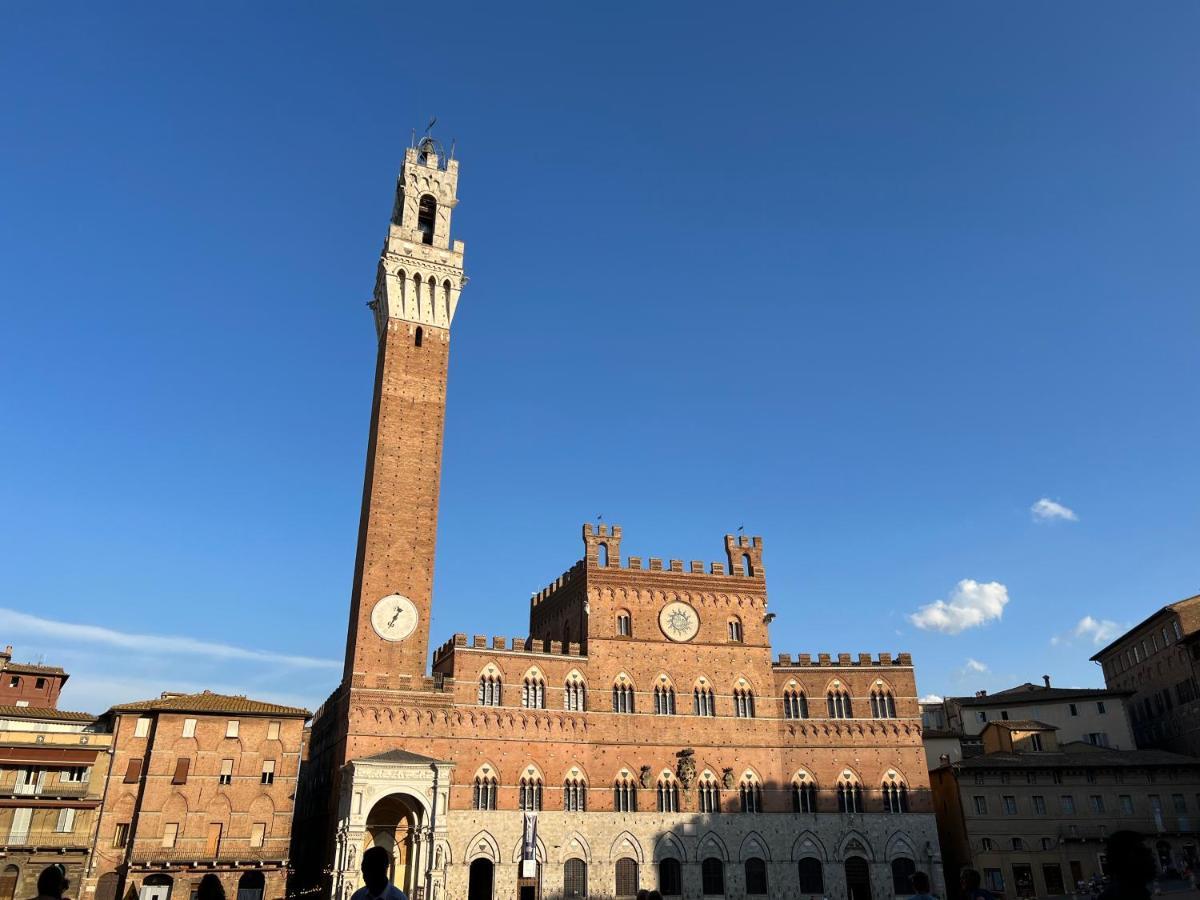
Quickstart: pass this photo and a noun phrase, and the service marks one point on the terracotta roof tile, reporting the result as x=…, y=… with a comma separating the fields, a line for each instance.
x=208, y=702
x=33, y=669
x=42, y=712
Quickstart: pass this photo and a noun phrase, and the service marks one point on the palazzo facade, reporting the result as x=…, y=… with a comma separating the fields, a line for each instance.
x=641, y=723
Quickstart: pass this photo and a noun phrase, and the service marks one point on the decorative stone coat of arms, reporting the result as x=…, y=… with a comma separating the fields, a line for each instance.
x=645, y=776
x=686, y=768
x=727, y=778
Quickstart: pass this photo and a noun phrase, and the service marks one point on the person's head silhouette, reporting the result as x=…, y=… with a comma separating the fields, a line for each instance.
x=52, y=881
x=210, y=888
x=375, y=864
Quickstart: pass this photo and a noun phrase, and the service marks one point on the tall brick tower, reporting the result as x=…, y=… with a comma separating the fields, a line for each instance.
x=417, y=287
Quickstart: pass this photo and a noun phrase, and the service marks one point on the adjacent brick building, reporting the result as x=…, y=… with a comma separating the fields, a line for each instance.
x=199, y=783
x=1032, y=814
x=642, y=716
x=52, y=773
x=1157, y=665
x=29, y=684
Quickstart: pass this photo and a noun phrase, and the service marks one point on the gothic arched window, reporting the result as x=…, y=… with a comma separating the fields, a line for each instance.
x=574, y=694
x=484, y=796
x=664, y=700
x=668, y=795
x=795, y=704
x=703, y=701
x=750, y=795
x=883, y=704
x=623, y=697
x=709, y=794
x=743, y=703
x=489, y=690
x=849, y=795
x=533, y=692
x=575, y=795
x=735, y=630
x=426, y=218
x=804, y=794
x=839, y=704
x=531, y=793
x=624, y=624
x=625, y=794
x=895, y=797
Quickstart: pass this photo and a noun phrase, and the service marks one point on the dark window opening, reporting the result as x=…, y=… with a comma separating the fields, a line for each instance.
x=426, y=216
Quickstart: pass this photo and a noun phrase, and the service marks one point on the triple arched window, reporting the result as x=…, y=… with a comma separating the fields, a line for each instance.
x=849, y=796
x=838, y=702
x=484, y=795
x=703, y=701
x=795, y=704
x=743, y=703
x=574, y=694
x=490, y=689
x=883, y=704
x=664, y=700
x=575, y=795
x=623, y=697
x=750, y=796
x=709, y=794
x=668, y=795
x=625, y=794
x=895, y=797
x=533, y=693
x=804, y=795
x=530, y=796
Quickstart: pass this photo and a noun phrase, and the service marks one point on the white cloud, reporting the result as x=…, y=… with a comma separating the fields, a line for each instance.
x=930, y=698
x=1047, y=510
x=1098, y=631
x=974, y=665
x=13, y=622
x=970, y=605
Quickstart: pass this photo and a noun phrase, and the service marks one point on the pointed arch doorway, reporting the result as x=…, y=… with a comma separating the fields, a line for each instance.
x=392, y=824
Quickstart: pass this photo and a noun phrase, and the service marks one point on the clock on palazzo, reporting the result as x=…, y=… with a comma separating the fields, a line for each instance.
x=394, y=617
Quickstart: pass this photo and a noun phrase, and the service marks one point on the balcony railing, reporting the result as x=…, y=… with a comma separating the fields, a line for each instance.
x=199, y=851
x=50, y=839
x=69, y=789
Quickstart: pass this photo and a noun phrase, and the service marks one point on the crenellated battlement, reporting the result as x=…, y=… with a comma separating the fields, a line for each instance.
x=498, y=644
x=563, y=580
x=602, y=545
x=864, y=660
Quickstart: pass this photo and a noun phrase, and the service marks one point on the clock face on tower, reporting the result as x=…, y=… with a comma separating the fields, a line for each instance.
x=394, y=617
x=679, y=621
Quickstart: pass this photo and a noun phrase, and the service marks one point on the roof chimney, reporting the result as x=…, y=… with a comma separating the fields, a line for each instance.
x=1046, y=678
x=981, y=693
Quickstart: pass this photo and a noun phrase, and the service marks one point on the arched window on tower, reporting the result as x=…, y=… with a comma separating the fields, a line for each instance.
x=883, y=704
x=533, y=692
x=426, y=218
x=574, y=694
x=895, y=796
x=795, y=704
x=602, y=554
x=735, y=629
x=625, y=794
x=531, y=793
x=419, y=336
x=804, y=793
x=743, y=703
x=839, y=704
x=747, y=566
x=624, y=623
x=490, y=690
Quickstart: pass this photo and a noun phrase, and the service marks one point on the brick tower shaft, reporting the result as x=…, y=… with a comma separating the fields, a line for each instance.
x=417, y=288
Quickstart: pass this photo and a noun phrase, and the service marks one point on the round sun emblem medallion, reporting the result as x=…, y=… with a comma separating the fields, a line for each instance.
x=678, y=621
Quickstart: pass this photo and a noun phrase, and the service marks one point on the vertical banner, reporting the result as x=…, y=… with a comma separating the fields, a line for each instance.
x=529, y=846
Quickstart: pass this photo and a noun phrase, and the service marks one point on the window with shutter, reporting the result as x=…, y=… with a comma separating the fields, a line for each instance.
x=142, y=728
x=272, y=731
x=133, y=770
x=627, y=877
x=258, y=833
x=268, y=771
x=189, y=727
x=231, y=728
x=575, y=878
x=170, y=833
x=181, y=770
x=226, y=772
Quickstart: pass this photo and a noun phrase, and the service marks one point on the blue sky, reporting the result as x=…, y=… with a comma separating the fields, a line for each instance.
x=871, y=280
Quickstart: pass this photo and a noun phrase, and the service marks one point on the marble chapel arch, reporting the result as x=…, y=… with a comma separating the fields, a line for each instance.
x=640, y=717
